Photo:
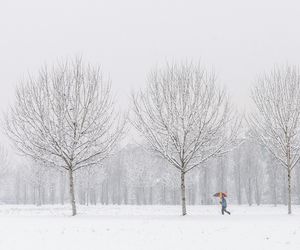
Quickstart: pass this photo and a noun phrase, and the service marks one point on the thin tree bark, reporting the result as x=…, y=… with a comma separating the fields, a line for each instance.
x=183, y=198
x=289, y=192
x=72, y=195
x=39, y=201
x=62, y=188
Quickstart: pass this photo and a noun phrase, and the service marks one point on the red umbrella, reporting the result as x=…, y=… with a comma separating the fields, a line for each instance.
x=219, y=194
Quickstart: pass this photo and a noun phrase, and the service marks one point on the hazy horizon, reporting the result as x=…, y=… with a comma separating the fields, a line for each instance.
x=239, y=40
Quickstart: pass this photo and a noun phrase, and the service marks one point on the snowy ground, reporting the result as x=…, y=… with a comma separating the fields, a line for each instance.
x=148, y=227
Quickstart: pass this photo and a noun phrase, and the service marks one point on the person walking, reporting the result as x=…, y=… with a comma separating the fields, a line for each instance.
x=224, y=205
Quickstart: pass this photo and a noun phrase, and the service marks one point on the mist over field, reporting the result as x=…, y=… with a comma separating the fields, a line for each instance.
x=124, y=123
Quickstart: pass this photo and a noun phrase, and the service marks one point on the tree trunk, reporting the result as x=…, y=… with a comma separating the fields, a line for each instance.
x=62, y=188
x=106, y=193
x=164, y=194
x=88, y=192
x=25, y=194
x=119, y=199
x=274, y=185
x=102, y=193
x=39, y=198
x=289, y=191
x=151, y=195
x=174, y=196
x=183, y=199
x=298, y=183
x=239, y=188
x=52, y=193
x=144, y=196
x=34, y=197
x=125, y=195
x=72, y=195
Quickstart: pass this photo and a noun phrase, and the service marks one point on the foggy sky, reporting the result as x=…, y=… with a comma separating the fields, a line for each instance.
x=238, y=39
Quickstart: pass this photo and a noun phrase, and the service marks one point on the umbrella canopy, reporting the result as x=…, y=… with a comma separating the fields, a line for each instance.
x=220, y=194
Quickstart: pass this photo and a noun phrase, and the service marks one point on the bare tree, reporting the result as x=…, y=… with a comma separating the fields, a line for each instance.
x=4, y=163
x=249, y=161
x=259, y=176
x=65, y=118
x=276, y=120
x=184, y=117
x=205, y=184
x=273, y=179
x=222, y=173
x=237, y=172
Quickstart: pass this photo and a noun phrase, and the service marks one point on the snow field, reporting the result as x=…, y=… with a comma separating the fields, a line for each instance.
x=148, y=227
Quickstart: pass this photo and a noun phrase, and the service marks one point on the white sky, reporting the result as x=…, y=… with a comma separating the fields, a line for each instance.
x=239, y=39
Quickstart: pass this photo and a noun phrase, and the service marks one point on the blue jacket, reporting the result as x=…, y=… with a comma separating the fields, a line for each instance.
x=224, y=203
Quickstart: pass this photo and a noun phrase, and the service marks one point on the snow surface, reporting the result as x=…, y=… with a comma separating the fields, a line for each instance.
x=148, y=227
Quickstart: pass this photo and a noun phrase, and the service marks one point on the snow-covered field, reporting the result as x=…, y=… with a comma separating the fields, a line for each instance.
x=148, y=227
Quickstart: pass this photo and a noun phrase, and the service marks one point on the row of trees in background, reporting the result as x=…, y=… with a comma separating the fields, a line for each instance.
x=134, y=176
x=64, y=122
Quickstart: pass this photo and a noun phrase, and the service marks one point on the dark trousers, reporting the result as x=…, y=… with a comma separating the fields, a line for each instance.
x=224, y=210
